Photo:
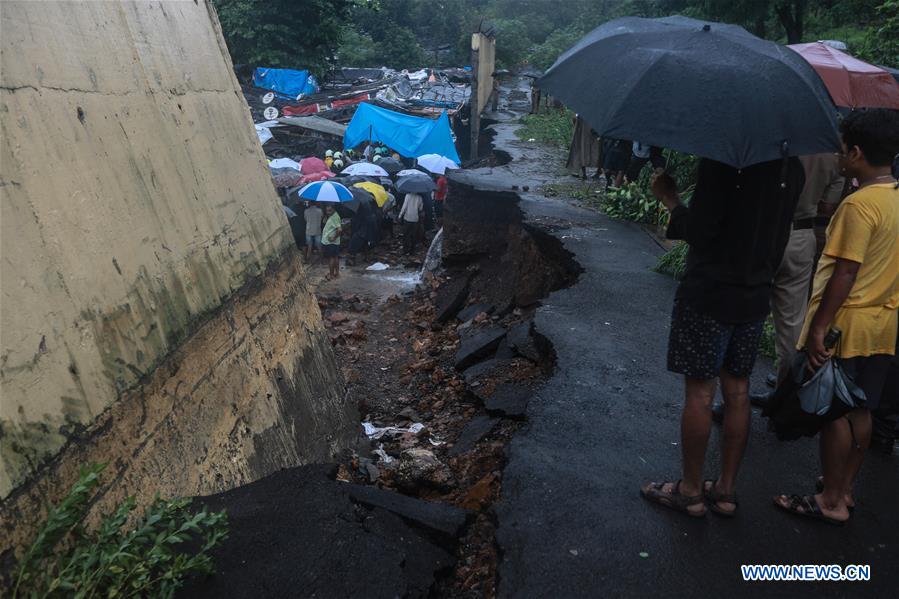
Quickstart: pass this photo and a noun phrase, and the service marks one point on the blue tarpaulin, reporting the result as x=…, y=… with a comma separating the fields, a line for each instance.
x=410, y=136
x=285, y=82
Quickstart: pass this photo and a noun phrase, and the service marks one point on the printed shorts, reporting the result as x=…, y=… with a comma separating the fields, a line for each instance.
x=700, y=346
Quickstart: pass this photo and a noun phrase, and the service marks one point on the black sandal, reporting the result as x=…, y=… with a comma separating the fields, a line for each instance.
x=680, y=503
x=714, y=498
x=807, y=507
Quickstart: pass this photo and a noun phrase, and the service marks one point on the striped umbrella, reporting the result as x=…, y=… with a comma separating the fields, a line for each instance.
x=325, y=191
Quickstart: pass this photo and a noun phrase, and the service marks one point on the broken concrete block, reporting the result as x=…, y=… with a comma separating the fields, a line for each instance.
x=508, y=399
x=441, y=517
x=522, y=341
x=477, y=428
x=421, y=468
x=478, y=346
x=451, y=297
x=473, y=310
x=504, y=351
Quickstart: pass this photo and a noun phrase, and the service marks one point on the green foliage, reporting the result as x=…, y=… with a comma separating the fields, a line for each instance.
x=151, y=558
x=298, y=34
x=554, y=127
x=768, y=340
x=881, y=42
x=515, y=42
x=674, y=261
x=631, y=202
x=545, y=54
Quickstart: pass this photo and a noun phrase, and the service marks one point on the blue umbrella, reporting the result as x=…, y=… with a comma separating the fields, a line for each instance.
x=325, y=191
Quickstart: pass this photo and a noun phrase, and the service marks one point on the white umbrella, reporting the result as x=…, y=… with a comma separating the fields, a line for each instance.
x=365, y=169
x=436, y=163
x=412, y=172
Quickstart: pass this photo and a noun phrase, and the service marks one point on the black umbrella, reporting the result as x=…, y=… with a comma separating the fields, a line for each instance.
x=415, y=185
x=709, y=89
x=391, y=165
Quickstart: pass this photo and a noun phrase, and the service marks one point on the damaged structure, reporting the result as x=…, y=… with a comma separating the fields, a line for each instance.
x=155, y=315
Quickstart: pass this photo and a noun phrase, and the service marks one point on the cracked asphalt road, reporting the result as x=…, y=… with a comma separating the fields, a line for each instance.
x=571, y=522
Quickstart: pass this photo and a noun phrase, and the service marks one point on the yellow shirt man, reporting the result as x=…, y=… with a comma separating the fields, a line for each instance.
x=864, y=229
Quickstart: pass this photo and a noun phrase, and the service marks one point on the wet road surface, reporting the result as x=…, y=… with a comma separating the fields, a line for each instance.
x=571, y=522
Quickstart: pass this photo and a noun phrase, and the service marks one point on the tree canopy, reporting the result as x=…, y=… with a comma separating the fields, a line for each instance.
x=319, y=34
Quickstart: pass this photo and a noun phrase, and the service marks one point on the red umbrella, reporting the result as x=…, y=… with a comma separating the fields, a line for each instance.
x=852, y=83
x=312, y=165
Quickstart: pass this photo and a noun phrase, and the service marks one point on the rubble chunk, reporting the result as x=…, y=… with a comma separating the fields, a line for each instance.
x=473, y=310
x=451, y=297
x=440, y=517
x=508, y=399
x=478, y=346
x=477, y=428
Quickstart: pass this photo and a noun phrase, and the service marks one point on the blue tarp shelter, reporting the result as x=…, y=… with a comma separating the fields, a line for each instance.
x=410, y=136
x=286, y=83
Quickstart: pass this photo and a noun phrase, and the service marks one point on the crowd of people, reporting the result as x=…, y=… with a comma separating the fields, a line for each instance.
x=752, y=246
x=328, y=229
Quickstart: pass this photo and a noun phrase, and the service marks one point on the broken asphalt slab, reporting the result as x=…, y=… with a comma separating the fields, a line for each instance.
x=478, y=345
x=477, y=428
x=298, y=532
x=440, y=517
x=508, y=399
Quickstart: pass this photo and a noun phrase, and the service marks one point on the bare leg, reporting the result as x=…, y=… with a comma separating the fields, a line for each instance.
x=736, y=433
x=836, y=448
x=861, y=426
x=696, y=424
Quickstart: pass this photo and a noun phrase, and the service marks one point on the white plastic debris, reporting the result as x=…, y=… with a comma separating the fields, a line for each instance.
x=264, y=134
x=376, y=432
x=284, y=163
x=385, y=458
x=377, y=266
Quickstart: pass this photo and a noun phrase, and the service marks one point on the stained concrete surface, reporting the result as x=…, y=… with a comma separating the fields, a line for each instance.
x=571, y=522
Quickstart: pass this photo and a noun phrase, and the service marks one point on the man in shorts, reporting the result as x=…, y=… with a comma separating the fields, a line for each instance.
x=856, y=290
x=737, y=227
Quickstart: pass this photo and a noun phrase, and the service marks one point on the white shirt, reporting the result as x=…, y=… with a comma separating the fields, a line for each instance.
x=411, y=206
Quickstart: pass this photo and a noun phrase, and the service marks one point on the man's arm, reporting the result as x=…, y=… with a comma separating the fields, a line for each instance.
x=835, y=293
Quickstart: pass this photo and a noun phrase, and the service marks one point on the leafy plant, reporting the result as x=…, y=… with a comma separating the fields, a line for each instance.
x=768, y=340
x=674, y=261
x=151, y=558
x=631, y=202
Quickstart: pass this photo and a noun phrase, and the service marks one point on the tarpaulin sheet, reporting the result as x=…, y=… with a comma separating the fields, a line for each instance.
x=285, y=82
x=410, y=136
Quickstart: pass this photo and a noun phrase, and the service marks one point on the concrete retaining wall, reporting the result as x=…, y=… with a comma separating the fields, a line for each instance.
x=154, y=314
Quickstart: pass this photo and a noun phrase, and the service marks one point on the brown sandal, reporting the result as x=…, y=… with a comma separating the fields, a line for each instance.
x=674, y=500
x=714, y=498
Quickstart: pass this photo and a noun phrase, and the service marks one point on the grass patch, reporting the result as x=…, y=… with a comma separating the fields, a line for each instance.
x=553, y=127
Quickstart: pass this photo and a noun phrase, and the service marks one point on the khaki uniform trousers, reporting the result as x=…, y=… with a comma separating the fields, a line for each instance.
x=789, y=297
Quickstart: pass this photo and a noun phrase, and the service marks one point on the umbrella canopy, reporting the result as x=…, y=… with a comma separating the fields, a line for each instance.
x=709, y=89
x=377, y=192
x=436, y=163
x=415, y=185
x=852, y=83
x=312, y=165
x=391, y=165
x=412, y=172
x=364, y=169
x=325, y=191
